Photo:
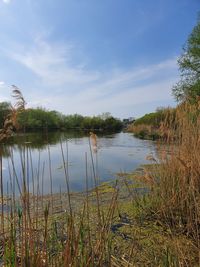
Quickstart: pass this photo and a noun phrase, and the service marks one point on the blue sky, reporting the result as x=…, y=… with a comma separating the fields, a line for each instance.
x=94, y=56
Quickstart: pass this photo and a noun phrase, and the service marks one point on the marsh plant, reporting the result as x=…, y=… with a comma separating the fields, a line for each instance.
x=111, y=225
x=39, y=230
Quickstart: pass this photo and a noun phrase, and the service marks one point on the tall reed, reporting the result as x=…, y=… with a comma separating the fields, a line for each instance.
x=176, y=181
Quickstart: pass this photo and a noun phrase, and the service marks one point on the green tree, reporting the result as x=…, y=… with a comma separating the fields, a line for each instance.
x=105, y=115
x=113, y=124
x=188, y=88
x=39, y=118
x=5, y=108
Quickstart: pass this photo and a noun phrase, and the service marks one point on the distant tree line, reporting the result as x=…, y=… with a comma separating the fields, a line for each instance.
x=36, y=119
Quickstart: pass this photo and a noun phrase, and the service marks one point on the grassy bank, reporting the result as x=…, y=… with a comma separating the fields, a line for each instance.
x=115, y=224
x=150, y=126
x=174, y=201
x=148, y=218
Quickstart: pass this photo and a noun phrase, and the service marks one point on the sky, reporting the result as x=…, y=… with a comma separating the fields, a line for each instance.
x=94, y=56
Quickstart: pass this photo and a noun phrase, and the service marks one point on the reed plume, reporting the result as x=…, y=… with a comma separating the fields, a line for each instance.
x=93, y=138
x=11, y=123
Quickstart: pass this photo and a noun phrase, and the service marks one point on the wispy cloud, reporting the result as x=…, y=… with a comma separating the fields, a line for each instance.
x=2, y=83
x=6, y=1
x=53, y=64
x=91, y=91
x=5, y=93
x=120, y=103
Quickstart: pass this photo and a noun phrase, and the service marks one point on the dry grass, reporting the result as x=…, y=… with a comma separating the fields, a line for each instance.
x=31, y=233
x=159, y=228
x=144, y=131
x=176, y=181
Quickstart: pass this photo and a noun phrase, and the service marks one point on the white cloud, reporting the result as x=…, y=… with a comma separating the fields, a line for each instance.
x=4, y=92
x=118, y=92
x=71, y=87
x=6, y=1
x=2, y=83
x=96, y=101
x=52, y=63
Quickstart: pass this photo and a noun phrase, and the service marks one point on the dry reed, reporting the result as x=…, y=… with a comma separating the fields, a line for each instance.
x=33, y=235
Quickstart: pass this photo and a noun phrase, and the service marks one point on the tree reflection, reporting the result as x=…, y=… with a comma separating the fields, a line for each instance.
x=41, y=140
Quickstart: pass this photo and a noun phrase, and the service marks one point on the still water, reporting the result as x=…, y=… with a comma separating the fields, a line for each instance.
x=39, y=155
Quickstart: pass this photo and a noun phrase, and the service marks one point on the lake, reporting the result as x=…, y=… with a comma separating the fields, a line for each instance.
x=39, y=156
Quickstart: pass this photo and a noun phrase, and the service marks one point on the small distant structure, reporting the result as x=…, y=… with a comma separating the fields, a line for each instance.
x=128, y=121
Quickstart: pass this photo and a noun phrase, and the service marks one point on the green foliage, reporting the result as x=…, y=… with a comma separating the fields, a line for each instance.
x=112, y=123
x=33, y=119
x=73, y=121
x=39, y=118
x=4, y=111
x=188, y=88
x=153, y=119
x=152, y=125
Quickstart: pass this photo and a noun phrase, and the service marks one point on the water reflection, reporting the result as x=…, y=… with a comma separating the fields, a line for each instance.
x=116, y=152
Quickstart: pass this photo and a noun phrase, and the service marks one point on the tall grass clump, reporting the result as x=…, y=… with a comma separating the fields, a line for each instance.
x=51, y=230
x=176, y=180
x=148, y=126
